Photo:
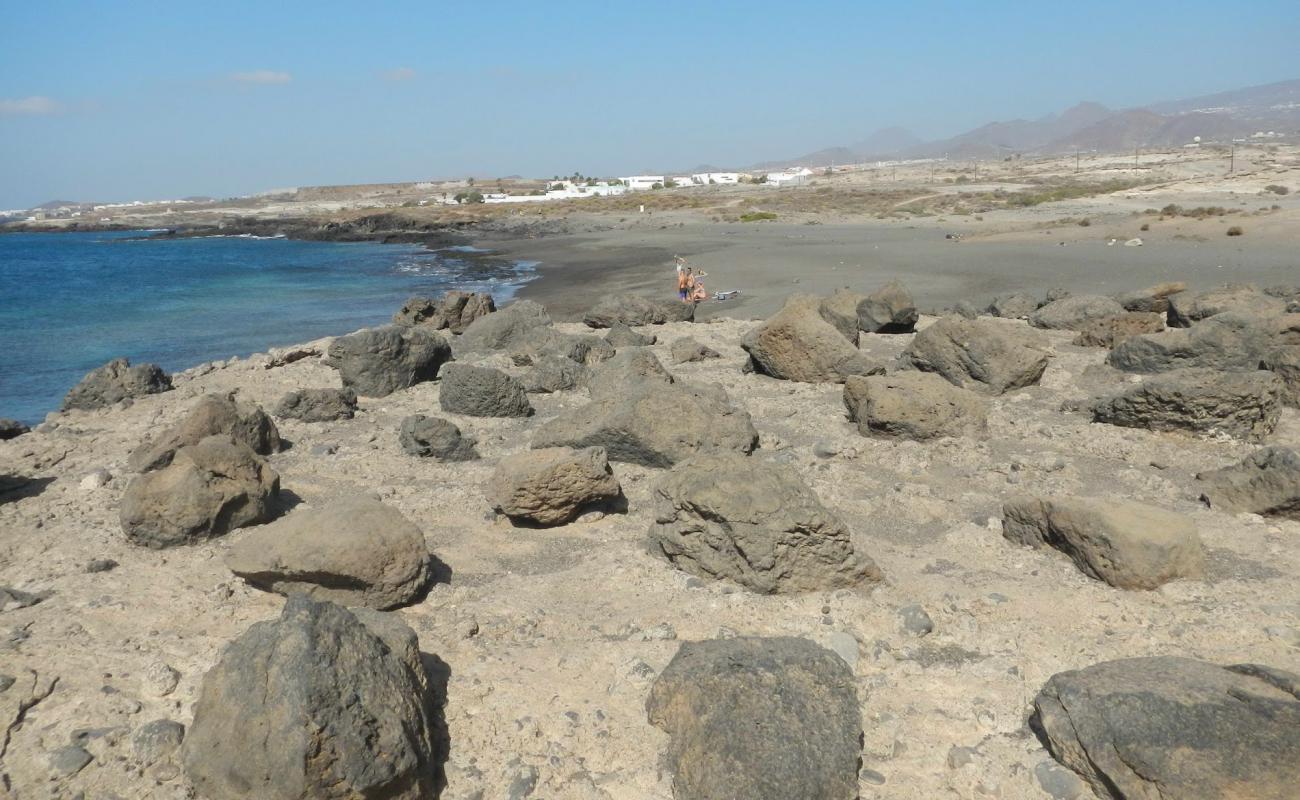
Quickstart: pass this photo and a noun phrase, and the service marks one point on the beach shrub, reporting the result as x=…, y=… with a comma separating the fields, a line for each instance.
x=1146, y=226
x=758, y=216
x=1276, y=189
x=669, y=183
x=1085, y=222
x=656, y=185
x=1235, y=230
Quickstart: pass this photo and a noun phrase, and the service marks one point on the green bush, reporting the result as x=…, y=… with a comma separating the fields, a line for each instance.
x=758, y=216
x=1276, y=189
x=1235, y=230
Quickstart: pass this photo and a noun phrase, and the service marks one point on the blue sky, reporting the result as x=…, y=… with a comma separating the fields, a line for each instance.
x=126, y=100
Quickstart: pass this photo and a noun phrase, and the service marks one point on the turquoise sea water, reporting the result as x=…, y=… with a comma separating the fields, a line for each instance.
x=70, y=302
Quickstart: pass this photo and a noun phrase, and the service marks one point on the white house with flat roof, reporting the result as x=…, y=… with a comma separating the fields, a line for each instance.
x=705, y=178
x=643, y=181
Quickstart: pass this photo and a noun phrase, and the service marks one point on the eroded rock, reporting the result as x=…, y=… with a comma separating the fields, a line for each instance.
x=318, y=405
x=980, y=355
x=1266, y=482
x=912, y=405
x=797, y=344
x=1245, y=405
x=482, y=392
x=114, y=382
x=379, y=361
x=437, y=438
x=550, y=486
x=212, y=415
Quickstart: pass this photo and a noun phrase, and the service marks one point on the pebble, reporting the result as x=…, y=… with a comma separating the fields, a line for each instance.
x=525, y=781
x=160, y=678
x=872, y=777
x=1059, y=782
x=915, y=620
x=101, y=565
x=95, y=480
x=69, y=760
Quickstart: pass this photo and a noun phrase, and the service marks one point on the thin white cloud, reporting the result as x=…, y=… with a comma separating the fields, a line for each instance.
x=35, y=106
x=262, y=76
x=398, y=74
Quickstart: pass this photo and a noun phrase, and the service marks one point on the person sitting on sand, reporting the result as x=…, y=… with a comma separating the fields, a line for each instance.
x=698, y=294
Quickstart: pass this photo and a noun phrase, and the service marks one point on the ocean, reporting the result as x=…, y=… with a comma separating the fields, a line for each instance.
x=69, y=302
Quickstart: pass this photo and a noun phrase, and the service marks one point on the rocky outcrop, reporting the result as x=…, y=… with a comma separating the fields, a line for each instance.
x=620, y=335
x=352, y=550
x=338, y=704
x=482, y=392
x=555, y=374
x=379, y=361
x=1228, y=341
x=652, y=423
x=11, y=429
x=1110, y=331
x=798, y=345
x=552, y=485
x=209, y=488
x=1245, y=405
x=1151, y=299
x=687, y=350
x=981, y=355
x=542, y=343
x=1191, y=307
x=1284, y=362
x=841, y=311
x=889, y=309
x=912, y=405
x=1266, y=482
x=1128, y=545
x=1175, y=728
x=454, y=311
x=436, y=438
x=759, y=718
x=114, y=382
x=212, y=415
x=635, y=310
x=754, y=523
x=318, y=405
x=506, y=328
x=1074, y=312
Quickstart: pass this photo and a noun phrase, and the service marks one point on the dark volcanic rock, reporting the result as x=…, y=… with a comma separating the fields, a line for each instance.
x=12, y=428
x=1266, y=482
x=318, y=405
x=551, y=485
x=482, y=392
x=555, y=374
x=379, y=361
x=506, y=328
x=982, y=355
x=1246, y=405
x=1153, y=298
x=760, y=719
x=620, y=335
x=1228, y=341
x=912, y=405
x=687, y=350
x=1175, y=729
x=797, y=344
x=116, y=381
x=454, y=311
x=841, y=310
x=1013, y=306
x=212, y=415
x=1110, y=331
x=436, y=438
x=634, y=310
x=756, y=523
x=1074, y=312
x=1284, y=362
x=1190, y=307
x=889, y=309
x=338, y=704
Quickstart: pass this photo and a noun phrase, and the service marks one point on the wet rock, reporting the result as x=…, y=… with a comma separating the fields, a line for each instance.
x=11, y=429
x=555, y=374
x=729, y=739
x=1013, y=306
x=550, y=486
x=755, y=523
x=114, y=382
x=687, y=350
x=1266, y=482
x=841, y=311
x=889, y=309
x=980, y=355
x=351, y=550
x=482, y=392
x=912, y=405
x=437, y=438
x=1074, y=312
x=1110, y=331
x=1128, y=545
x=505, y=329
x=454, y=311
x=212, y=415
x=620, y=335
x=379, y=361
x=635, y=310
x=1229, y=341
x=209, y=489
x=652, y=423
x=1151, y=299
x=1190, y=307
x=797, y=344
x=154, y=741
x=1175, y=728
x=1245, y=405
x=338, y=702
x=318, y=405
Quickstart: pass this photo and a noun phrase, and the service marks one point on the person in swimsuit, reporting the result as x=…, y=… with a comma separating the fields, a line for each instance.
x=684, y=285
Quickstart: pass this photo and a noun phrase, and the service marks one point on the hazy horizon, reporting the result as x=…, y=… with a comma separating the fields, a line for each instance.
x=125, y=102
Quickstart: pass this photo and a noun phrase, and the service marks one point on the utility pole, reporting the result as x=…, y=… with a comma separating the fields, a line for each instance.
x=1076, y=162
x=1232, y=156
x=1135, y=156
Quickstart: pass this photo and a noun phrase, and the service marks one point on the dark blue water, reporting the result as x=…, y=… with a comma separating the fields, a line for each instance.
x=70, y=302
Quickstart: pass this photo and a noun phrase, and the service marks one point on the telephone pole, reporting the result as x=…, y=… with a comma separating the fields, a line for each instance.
x=1232, y=156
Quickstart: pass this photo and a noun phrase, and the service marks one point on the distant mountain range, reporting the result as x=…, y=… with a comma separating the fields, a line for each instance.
x=1088, y=126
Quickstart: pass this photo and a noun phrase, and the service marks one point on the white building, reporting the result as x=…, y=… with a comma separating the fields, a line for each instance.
x=705, y=178
x=643, y=181
x=791, y=176
x=684, y=180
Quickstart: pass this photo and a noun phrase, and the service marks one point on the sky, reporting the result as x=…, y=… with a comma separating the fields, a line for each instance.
x=159, y=100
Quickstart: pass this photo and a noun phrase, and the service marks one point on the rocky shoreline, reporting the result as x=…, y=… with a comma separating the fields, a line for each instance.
x=958, y=545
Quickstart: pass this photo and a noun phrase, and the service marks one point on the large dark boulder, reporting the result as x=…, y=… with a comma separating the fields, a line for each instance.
x=213, y=414
x=482, y=392
x=982, y=355
x=1246, y=405
x=1284, y=362
x=1168, y=728
x=634, y=310
x=114, y=382
x=352, y=550
x=454, y=311
x=1013, y=306
x=1266, y=482
x=760, y=719
x=319, y=703
x=841, y=310
x=1228, y=341
x=209, y=488
x=1191, y=307
x=318, y=405
x=755, y=523
x=798, y=344
x=1074, y=312
x=379, y=361
x=555, y=374
x=504, y=329
x=11, y=429
x=436, y=438
x=889, y=309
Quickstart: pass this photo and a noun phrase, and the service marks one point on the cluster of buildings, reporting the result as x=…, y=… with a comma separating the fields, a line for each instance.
x=570, y=190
